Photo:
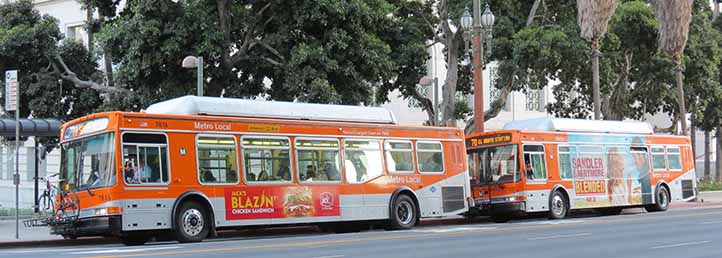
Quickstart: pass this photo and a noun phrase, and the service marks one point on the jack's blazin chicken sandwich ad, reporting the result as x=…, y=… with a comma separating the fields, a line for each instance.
x=265, y=202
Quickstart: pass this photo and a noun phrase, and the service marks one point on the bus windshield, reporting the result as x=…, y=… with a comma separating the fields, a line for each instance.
x=87, y=163
x=495, y=164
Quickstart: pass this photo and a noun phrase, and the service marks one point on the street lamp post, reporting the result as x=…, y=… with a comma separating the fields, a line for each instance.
x=482, y=26
x=195, y=62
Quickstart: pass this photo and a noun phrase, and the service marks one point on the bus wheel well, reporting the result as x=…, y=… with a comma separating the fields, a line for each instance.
x=410, y=194
x=197, y=199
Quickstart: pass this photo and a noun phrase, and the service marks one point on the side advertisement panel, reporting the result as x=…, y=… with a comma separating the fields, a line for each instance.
x=614, y=175
x=265, y=202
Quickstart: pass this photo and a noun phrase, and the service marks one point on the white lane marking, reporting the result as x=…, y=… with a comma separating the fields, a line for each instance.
x=447, y=230
x=711, y=222
x=330, y=256
x=556, y=222
x=559, y=236
x=127, y=250
x=679, y=245
x=53, y=250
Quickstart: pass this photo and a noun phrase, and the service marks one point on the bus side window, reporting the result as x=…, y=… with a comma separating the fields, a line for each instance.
x=145, y=159
x=217, y=162
x=673, y=158
x=534, y=163
x=318, y=160
x=399, y=156
x=266, y=159
x=362, y=160
x=658, y=160
x=565, y=161
x=430, y=157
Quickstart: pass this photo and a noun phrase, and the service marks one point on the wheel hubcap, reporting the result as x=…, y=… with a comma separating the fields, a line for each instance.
x=192, y=222
x=404, y=213
x=558, y=205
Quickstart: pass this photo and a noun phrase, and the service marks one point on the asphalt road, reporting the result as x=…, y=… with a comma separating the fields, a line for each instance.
x=678, y=233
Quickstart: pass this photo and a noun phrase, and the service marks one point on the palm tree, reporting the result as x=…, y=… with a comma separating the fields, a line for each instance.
x=674, y=18
x=593, y=17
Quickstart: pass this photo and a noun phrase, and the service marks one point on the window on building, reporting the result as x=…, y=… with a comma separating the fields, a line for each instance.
x=534, y=100
x=430, y=156
x=565, y=162
x=362, y=160
x=318, y=160
x=399, y=156
x=673, y=158
x=217, y=160
x=75, y=32
x=145, y=158
x=266, y=159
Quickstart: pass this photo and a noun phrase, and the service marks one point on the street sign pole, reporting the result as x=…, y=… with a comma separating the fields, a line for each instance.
x=11, y=93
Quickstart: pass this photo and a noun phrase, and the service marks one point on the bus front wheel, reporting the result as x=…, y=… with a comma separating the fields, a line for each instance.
x=403, y=213
x=662, y=202
x=558, y=206
x=192, y=223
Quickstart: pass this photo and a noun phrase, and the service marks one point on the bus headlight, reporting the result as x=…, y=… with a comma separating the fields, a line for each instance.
x=108, y=211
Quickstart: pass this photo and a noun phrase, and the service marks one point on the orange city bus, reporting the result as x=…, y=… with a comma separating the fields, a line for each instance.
x=558, y=165
x=193, y=165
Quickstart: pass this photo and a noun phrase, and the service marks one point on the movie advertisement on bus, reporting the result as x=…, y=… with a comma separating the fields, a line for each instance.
x=265, y=202
x=616, y=174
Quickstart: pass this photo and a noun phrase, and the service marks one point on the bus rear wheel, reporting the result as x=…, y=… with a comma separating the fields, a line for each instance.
x=558, y=206
x=403, y=213
x=662, y=203
x=192, y=223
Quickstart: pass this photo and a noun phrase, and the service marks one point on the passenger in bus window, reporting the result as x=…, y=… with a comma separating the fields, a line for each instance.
x=144, y=171
x=263, y=176
x=250, y=177
x=310, y=173
x=284, y=173
x=529, y=169
x=320, y=176
x=331, y=172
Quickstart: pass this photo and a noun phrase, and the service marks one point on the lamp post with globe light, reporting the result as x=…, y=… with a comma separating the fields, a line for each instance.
x=481, y=28
x=195, y=62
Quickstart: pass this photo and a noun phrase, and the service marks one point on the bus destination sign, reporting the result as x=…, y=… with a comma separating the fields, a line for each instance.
x=488, y=139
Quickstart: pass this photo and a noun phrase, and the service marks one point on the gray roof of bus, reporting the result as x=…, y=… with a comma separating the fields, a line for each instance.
x=580, y=125
x=194, y=105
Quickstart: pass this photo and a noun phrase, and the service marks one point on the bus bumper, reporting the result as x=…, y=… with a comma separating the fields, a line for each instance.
x=484, y=207
x=93, y=226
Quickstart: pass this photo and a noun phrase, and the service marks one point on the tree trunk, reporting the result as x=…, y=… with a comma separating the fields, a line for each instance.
x=449, y=91
x=595, y=79
x=532, y=13
x=718, y=151
x=89, y=27
x=715, y=10
x=108, y=61
x=707, y=158
x=693, y=136
x=680, y=94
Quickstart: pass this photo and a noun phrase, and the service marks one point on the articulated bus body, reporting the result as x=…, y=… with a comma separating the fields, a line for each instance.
x=137, y=174
x=548, y=170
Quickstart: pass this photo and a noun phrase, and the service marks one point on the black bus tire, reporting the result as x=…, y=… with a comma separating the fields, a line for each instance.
x=662, y=201
x=403, y=215
x=192, y=223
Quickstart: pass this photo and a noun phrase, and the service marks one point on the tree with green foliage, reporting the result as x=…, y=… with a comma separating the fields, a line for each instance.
x=310, y=51
x=32, y=43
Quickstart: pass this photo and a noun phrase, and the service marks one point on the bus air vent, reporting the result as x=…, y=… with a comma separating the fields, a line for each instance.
x=452, y=198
